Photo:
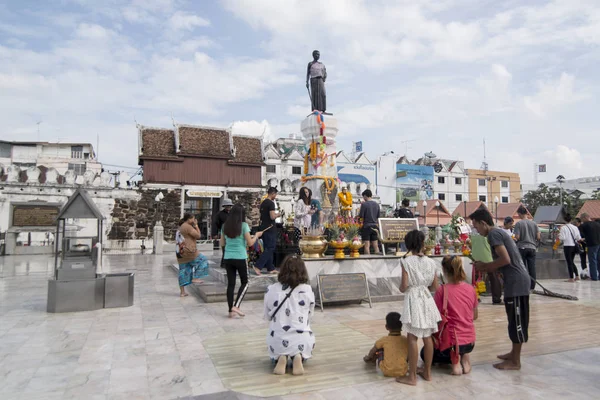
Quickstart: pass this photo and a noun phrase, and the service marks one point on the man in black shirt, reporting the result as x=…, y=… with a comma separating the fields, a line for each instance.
x=591, y=235
x=404, y=211
x=219, y=221
x=268, y=215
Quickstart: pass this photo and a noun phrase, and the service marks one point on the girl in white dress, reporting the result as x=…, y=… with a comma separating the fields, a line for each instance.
x=302, y=211
x=290, y=306
x=421, y=316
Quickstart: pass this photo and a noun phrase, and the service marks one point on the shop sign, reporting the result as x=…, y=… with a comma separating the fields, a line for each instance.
x=200, y=193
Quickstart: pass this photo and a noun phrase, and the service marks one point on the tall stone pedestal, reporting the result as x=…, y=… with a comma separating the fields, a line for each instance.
x=158, y=237
x=311, y=131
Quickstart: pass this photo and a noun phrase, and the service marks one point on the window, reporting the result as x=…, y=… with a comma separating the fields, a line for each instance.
x=79, y=169
x=504, y=184
x=441, y=196
x=296, y=170
x=76, y=151
x=505, y=199
x=458, y=197
x=458, y=181
x=5, y=150
x=441, y=179
x=481, y=182
x=271, y=169
x=483, y=198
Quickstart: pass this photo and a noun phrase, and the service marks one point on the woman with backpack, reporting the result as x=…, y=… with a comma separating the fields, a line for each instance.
x=235, y=239
x=192, y=264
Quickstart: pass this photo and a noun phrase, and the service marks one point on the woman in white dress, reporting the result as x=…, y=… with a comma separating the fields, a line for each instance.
x=421, y=316
x=302, y=211
x=289, y=308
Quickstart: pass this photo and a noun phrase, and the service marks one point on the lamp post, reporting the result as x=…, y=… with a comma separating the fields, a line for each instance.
x=424, y=213
x=437, y=207
x=496, y=202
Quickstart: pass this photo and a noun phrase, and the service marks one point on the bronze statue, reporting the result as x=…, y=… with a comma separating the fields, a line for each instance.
x=318, y=74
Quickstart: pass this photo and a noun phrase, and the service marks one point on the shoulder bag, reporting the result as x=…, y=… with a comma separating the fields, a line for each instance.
x=578, y=247
x=287, y=296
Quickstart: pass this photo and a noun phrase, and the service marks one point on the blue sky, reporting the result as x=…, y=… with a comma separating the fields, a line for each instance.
x=444, y=74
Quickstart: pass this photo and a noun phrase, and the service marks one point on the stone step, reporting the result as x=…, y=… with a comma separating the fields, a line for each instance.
x=214, y=289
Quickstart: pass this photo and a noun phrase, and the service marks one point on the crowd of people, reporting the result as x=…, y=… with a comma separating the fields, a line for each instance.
x=444, y=321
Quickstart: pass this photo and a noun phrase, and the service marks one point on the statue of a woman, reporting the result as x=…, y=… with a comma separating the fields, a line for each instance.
x=318, y=74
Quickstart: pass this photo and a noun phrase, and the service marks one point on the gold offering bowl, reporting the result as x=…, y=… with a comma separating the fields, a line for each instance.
x=354, y=247
x=429, y=249
x=339, y=248
x=312, y=246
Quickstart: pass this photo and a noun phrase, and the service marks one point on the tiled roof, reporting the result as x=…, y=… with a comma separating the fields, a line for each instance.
x=471, y=207
x=591, y=207
x=200, y=141
x=432, y=210
x=248, y=150
x=509, y=210
x=158, y=142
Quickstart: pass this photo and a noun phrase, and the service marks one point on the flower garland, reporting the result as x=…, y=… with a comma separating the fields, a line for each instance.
x=329, y=181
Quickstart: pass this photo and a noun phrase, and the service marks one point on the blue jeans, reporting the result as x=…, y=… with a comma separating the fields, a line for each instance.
x=269, y=242
x=593, y=261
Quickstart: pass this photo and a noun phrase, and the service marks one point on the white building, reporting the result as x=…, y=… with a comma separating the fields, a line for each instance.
x=285, y=162
x=587, y=185
x=75, y=157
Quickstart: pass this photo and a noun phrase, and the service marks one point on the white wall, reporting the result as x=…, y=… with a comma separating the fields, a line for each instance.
x=386, y=180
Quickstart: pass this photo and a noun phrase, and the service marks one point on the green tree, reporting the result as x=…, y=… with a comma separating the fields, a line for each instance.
x=542, y=196
x=595, y=195
x=549, y=196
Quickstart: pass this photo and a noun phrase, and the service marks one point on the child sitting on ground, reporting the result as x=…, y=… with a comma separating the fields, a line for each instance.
x=390, y=351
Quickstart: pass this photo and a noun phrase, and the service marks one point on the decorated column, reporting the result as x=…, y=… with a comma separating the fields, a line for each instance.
x=320, y=170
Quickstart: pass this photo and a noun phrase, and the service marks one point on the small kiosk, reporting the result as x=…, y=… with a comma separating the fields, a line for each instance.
x=78, y=284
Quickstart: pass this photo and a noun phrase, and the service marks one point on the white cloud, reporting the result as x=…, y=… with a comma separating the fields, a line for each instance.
x=252, y=128
x=185, y=21
x=553, y=94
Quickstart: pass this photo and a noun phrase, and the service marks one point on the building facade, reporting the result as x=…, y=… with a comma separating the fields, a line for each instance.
x=207, y=164
x=487, y=186
x=63, y=157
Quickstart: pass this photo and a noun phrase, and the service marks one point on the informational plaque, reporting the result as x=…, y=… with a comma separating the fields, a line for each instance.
x=343, y=287
x=34, y=215
x=395, y=229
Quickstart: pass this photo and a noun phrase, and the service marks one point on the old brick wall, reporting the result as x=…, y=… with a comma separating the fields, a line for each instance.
x=251, y=203
x=135, y=219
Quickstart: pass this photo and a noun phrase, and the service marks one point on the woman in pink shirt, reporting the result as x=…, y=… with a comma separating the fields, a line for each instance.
x=462, y=311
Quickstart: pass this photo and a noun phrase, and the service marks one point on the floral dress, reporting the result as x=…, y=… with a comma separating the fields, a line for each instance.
x=289, y=331
x=420, y=316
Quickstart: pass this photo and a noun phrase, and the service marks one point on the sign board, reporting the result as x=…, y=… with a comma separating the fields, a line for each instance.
x=358, y=146
x=34, y=215
x=397, y=228
x=357, y=173
x=200, y=193
x=414, y=182
x=343, y=287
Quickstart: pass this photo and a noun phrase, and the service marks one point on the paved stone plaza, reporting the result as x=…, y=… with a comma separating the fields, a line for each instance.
x=167, y=347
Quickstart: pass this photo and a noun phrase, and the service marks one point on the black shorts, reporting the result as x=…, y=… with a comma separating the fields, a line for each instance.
x=369, y=234
x=517, y=312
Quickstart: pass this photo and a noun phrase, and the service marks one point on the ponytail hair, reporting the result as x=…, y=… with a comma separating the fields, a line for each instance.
x=453, y=268
x=186, y=216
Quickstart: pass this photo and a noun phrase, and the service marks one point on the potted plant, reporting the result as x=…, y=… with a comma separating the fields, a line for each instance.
x=430, y=242
x=352, y=233
x=337, y=240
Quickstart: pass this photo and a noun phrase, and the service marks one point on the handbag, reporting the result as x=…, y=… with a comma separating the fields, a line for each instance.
x=578, y=247
x=442, y=339
x=287, y=296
